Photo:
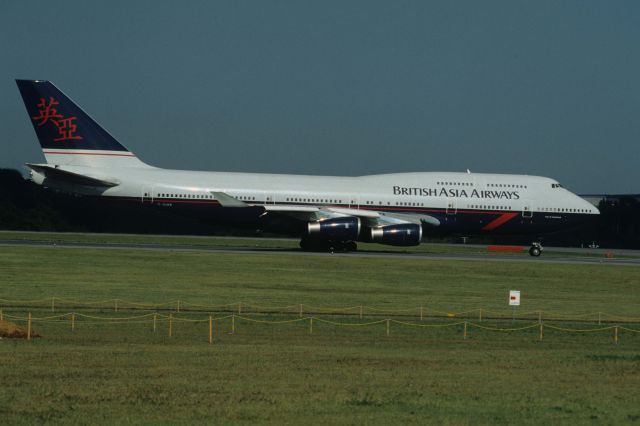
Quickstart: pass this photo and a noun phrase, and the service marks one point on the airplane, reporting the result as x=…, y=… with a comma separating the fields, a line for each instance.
x=329, y=213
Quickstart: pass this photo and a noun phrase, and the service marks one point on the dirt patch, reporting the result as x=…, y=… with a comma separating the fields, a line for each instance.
x=14, y=331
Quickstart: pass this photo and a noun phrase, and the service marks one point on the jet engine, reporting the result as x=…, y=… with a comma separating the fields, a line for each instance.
x=408, y=234
x=336, y=229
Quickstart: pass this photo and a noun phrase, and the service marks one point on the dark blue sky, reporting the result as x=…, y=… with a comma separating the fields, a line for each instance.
x=549, y=88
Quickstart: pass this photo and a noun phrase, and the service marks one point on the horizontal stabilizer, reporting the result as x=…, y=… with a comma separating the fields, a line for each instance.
x=61, y=175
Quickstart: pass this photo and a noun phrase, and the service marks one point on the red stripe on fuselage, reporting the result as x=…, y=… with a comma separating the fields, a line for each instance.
x=89, y=153
x=499, y=221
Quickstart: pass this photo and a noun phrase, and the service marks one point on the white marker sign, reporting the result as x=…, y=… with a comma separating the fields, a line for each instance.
x=514, y=298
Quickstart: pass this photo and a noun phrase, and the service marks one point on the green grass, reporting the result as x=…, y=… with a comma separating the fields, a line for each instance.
x=268, y=373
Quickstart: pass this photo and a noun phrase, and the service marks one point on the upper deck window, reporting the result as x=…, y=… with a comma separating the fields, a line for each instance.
x=556, y=185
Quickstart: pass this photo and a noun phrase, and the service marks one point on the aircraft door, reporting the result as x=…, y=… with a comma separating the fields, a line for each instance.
x=147, y=194
x=527, y=210
x=353, y=202
x=452, y=206
x=269, y=199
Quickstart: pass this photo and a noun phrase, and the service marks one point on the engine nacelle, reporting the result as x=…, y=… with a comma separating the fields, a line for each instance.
x=337, y=229
x=408, y=234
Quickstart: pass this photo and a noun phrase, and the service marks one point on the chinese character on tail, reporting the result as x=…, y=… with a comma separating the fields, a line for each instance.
x=66, y=125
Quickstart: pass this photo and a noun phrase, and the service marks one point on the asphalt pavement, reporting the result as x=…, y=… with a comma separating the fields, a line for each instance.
x=550, y=255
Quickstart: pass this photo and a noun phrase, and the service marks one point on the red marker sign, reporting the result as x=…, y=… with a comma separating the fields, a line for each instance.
x=514, y=298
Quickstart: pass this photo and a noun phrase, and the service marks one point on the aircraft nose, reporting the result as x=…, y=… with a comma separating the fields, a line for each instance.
x=585, y=205
x=590, y=207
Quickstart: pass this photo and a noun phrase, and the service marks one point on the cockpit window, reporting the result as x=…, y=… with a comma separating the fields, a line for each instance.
x=556, y=185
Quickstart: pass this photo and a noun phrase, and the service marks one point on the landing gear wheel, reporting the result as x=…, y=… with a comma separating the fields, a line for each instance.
x=535, y=250
x=351, y=246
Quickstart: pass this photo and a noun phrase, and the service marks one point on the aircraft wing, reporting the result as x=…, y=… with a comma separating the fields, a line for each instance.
x=227, y=200
x=370, y=218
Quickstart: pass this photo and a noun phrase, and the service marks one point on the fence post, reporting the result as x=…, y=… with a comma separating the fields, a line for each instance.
x=53, y=304
x=116, y=305
x=154, y=321
x=360, y=311
x=301, y=310
x=539, y=316
x=73, y=322
x=1, y=316
x=421, y=313
x=388, y=328
x=465, y=330
x=239, y=308
x=29, y=327
x=233, y=324
x=210, y=330
x=178, y=305
x=615, y=336
x=541, y=331
x=480, y=315
x=170, y=324
x=311, y=325
x=599, y=318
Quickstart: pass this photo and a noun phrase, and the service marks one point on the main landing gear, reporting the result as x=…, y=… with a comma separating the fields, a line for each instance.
x=535, y=250
x=309, y=244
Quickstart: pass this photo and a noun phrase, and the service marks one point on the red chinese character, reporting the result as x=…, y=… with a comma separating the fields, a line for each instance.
x=66, y=129
x=47, y=111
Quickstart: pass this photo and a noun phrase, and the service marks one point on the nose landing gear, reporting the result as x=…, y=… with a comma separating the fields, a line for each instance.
x=535, y=250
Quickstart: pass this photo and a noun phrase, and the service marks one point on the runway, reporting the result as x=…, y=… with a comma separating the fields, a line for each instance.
x=551, y=255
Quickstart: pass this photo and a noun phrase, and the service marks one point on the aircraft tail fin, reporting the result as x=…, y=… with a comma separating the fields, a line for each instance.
x=67, y=134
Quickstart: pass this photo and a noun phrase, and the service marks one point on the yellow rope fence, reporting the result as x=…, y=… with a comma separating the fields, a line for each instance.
x=173, y=317
x=301, y=309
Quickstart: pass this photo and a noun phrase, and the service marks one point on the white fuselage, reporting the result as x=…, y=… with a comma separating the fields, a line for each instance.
x=439, y=190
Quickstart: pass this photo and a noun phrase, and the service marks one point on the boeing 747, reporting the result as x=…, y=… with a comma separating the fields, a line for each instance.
x=328, y=212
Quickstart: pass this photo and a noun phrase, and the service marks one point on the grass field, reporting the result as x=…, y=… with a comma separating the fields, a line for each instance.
x=125, y=373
